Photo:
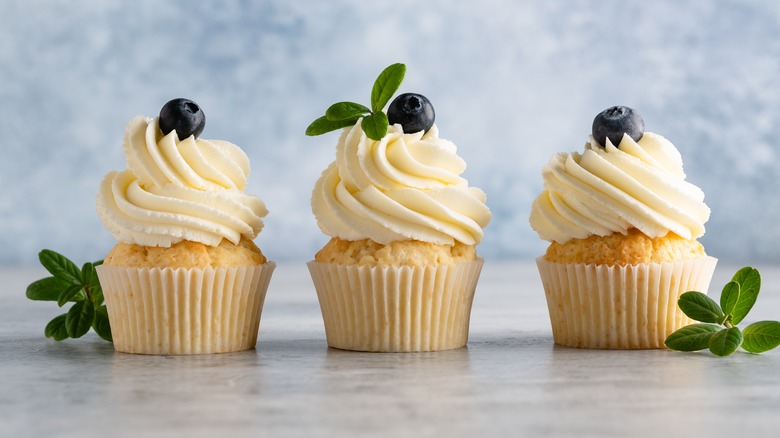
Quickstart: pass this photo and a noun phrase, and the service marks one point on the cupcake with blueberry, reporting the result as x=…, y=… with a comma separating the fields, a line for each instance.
x=400, y=270
x=185, y=276
x=622, y=222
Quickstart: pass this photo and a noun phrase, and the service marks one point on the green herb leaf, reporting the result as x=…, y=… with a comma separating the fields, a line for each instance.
x=69, y=294
x=46, y=289
x=88, y=274
x=56, y=328
x=700, y=307
x=79, y=318
x=59, y=266
x=92, y=283
x=345, y=111
x=761, y=336
x=96, y=294
x=737, y=298
x=375, y=126
x=386, y=85
x=323, y=125
x=729, y=297
x=726, y=341
x=101, y=324
x=71, y=284
x=749, y=285
x=694, y=337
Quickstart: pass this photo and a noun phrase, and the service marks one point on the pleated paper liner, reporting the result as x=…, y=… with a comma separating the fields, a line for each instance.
x=396, y=309
x=620, y=307
x=185, y=311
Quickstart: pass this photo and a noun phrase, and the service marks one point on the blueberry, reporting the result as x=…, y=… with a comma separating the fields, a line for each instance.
x=413, y=111
x=184, y=116
x=613, y=122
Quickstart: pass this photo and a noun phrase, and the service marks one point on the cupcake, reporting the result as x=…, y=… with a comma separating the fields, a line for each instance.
x=400, y=270
x=623, y=223
x=185, y=277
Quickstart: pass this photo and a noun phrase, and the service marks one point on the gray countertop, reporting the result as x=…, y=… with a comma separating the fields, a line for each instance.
x=510, y=380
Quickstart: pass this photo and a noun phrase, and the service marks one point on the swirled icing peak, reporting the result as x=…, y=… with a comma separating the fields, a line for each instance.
x=174, y=190
x=401, y=187
x=611, y=189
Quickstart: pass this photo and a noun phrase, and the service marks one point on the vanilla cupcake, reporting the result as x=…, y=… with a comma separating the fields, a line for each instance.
x=185, y=277
x=623, y=223
x=400, y=271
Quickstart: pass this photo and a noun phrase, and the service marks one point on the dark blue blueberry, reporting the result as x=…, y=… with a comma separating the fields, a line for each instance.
x=413, y=111
x=184, y=116
x=613, y=122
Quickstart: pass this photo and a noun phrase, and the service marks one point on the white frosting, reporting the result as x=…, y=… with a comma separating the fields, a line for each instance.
x=612, y=189
x=178, y=190
x=402, y=187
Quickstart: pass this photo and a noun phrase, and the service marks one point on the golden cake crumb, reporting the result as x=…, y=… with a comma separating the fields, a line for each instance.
x=185, y=254
x=401, y=253
x=619, y=249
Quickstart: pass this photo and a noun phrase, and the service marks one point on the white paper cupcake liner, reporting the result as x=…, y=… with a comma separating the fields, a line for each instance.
x=620, y=307
x=396, y=309
x=185, y=311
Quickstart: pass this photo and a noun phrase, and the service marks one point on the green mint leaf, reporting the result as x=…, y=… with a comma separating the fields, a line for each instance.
x=101, y=324
x=375, y=126
x=70, y=294
x=345, y=111
x=694, y=337
x=96, y=294
x=88, y=274
x=761, y=336
x=729, y=297
x=323, y=125
x=71, y=284
x=60, y=266
x=79, y=318
x=749, y=285
x=726, y=341
x=46, y=289
x=386, y=85
x=56, y=328
x=92, y=283
x=700, y=307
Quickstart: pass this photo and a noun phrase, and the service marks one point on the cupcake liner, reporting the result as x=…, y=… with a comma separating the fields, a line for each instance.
x=185, y=311
x=620, y=307
x=396, y=309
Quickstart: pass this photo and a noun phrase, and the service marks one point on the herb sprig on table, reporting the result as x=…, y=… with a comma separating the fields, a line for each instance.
x=69, y=284
x=717, y=330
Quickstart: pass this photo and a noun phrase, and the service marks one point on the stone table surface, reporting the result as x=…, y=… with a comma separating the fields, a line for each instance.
x=511, y=380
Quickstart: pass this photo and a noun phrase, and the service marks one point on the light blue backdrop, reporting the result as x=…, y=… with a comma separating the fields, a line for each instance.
x=512, y=83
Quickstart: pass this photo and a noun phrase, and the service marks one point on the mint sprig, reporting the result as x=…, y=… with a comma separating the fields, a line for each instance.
x=375, y=123
x=69, y=284
x=720, y=333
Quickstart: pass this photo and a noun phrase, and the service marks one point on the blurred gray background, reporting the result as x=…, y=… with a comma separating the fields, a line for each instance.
x=512, y=83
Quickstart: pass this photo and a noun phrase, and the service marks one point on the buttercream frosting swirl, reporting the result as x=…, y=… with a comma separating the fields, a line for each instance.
x=402, y=187
x=174, y=190
x=605, y=190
